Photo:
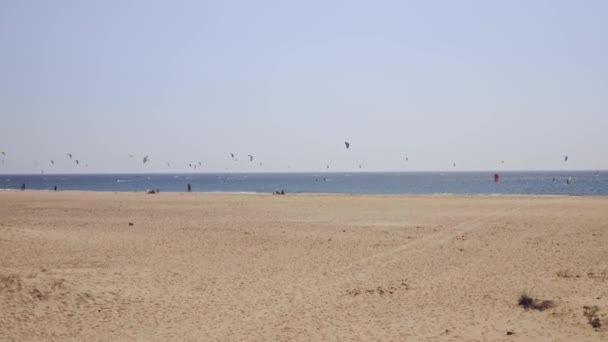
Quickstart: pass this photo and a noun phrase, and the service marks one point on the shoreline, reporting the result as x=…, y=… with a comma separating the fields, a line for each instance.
x=337, y=194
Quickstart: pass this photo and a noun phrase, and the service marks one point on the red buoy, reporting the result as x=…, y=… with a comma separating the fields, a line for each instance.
x=496, y=177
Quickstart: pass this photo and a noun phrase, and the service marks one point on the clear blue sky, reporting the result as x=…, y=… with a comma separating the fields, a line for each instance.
x=471, y=82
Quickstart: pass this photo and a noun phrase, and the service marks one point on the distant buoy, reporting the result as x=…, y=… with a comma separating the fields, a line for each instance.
x=496, y=177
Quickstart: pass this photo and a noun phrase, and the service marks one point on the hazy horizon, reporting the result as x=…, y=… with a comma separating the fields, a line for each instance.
x=472, y=83
x=204, y=172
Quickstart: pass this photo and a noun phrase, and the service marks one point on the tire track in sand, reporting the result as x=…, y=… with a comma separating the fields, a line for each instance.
x=307, y=299
x=431, y=240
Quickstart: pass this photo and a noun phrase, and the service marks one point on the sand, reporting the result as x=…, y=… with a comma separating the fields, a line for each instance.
x=219, y=267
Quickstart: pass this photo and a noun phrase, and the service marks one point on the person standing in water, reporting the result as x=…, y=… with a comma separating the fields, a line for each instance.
x=55, y=188
x=189, y=188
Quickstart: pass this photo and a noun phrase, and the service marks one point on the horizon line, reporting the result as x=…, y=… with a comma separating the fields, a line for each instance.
x=298, y=172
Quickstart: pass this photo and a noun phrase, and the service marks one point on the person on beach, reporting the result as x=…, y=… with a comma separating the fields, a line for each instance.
x=189, y=188
x=55, y=188
x=22, y=186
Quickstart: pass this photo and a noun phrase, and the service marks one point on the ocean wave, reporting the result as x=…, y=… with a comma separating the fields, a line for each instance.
x=28, y=190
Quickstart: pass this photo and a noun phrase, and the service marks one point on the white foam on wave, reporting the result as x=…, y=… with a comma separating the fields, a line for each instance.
x=236, y=192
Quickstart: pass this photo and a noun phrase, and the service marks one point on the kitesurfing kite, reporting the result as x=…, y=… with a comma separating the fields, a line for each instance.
x=168, y=164
x=77, y=161
x=70, y=155
x=200, y=164
x=231, y=155
x=4, y=153
x=454, y=164
x=146, y=159
x=565, y=158
x=52, y=162
x=347, y=144
x=250, y=157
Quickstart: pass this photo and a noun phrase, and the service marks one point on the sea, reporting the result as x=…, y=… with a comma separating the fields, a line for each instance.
x=593, y=183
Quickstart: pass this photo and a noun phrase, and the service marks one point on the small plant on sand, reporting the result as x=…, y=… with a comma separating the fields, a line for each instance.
x=528, y=302
x=592, y=316
x=564, y=273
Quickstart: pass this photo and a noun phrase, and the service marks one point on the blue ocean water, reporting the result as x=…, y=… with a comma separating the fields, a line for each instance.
x=534, y=183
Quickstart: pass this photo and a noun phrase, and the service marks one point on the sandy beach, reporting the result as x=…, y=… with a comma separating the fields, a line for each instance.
x=84, y=266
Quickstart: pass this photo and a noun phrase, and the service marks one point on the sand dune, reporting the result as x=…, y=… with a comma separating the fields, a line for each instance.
x=214, y=267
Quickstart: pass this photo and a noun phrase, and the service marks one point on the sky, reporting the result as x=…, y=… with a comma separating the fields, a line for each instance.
x=439, y=82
